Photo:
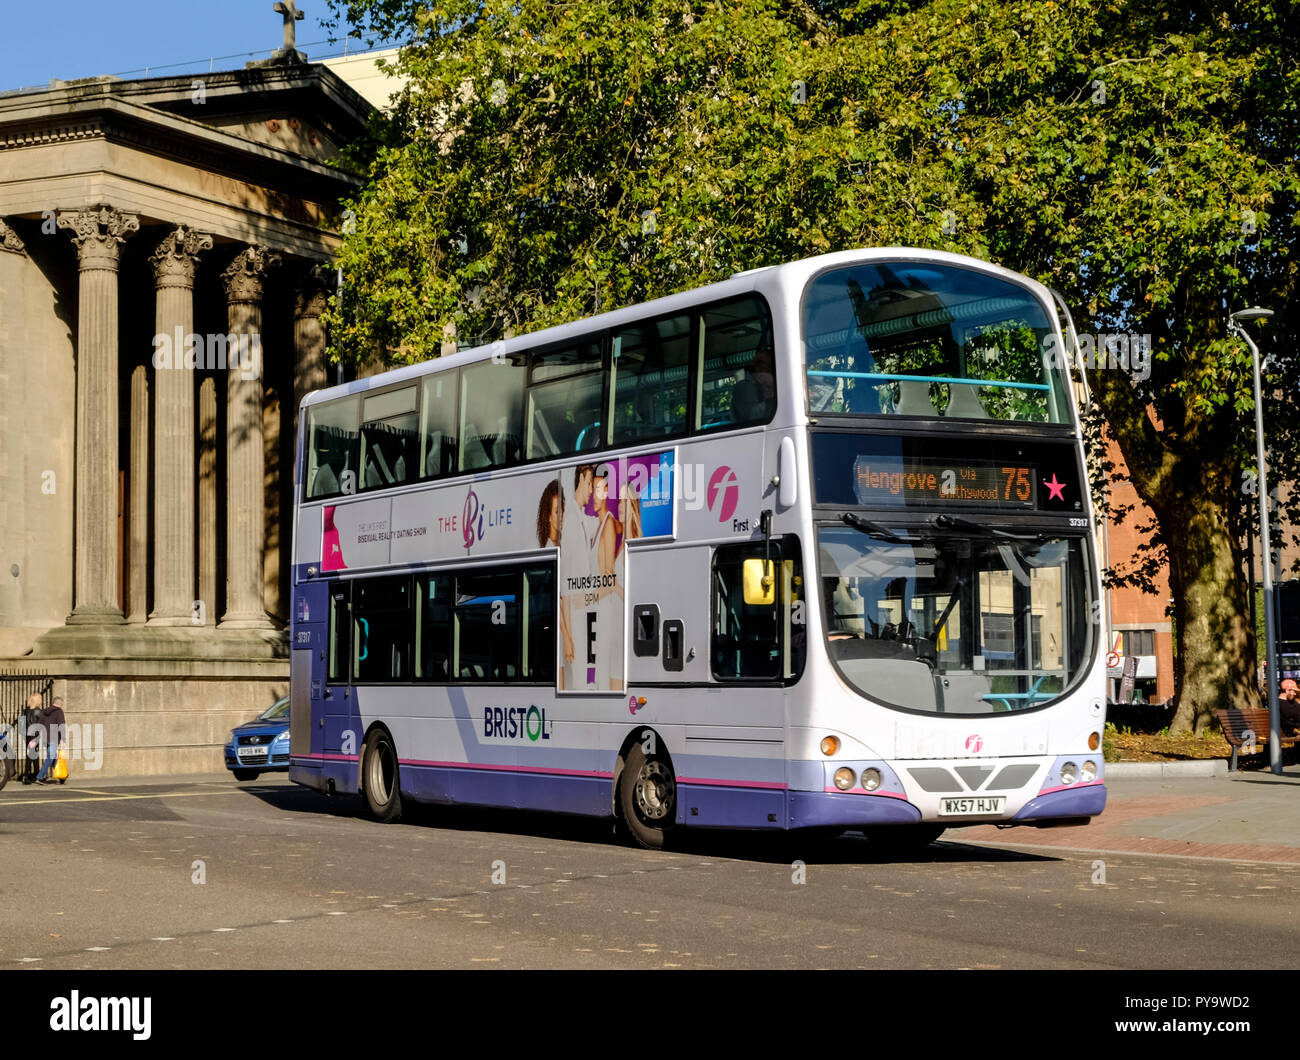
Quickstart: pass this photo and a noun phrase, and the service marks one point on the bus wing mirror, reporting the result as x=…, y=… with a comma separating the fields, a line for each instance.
x=759, y=585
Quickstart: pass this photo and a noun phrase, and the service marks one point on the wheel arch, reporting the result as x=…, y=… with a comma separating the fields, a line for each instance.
x=374, y=727
x=632, y=739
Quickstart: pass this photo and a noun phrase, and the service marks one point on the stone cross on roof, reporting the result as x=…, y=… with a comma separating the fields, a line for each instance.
x=289, y=54
x=291, y=15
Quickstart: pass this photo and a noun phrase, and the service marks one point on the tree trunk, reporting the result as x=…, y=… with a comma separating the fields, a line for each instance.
x=1192, y=491
x=1213, y=667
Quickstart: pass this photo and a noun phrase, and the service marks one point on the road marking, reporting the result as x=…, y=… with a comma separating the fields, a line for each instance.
x=163, y=938
x=115, y=798
x=27, y=960
x=98, y=949
x=224, y=929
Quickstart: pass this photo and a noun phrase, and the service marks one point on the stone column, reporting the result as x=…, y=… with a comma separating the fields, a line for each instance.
x=174, y=582
x=137, y=586
x=208, y=499
x=245, y=460
x=310, y=300
x=98, y=234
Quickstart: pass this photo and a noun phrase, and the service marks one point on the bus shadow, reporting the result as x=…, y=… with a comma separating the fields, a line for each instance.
x=766, y=847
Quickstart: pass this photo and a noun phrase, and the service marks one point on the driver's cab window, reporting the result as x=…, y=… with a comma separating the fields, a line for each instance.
x=758, y=622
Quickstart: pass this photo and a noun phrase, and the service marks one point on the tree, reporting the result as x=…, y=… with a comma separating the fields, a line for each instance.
x=549, y=161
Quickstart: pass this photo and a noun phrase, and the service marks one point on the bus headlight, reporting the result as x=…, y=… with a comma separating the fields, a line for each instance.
x=1069, y=773
x=871, y=779
x=830, y=744
x=1089, y=771
x=844, y=778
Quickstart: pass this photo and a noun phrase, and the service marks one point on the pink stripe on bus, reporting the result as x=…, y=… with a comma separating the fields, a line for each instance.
x=1073, y=787
x=733, y=783
x=859, y=791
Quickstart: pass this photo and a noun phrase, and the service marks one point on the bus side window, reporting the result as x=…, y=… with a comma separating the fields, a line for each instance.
x=650, y=369
x=433, y=627
x=438, y=410
x=746, y=641
x=382, y=629
x=738, y=373
x=492, y=414
x=331, y=448
x=338, y=670
x=538, y=626
x=487, y=626
x=564, y=396
x=759, y=623
x=388, y=438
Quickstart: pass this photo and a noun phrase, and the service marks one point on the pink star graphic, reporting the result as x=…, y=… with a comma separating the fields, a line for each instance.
x=1056, y=490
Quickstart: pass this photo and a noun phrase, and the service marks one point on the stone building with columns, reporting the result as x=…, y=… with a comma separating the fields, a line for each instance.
x=164, y=261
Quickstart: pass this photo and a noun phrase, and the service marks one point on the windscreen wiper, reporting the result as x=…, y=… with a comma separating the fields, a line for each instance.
x=956, y=522
x=866, y=526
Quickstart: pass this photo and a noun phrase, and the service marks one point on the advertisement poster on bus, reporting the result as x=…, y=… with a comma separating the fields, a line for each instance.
x=590, y=513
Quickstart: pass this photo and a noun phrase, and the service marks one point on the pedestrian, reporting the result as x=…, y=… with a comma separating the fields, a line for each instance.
x=1288, y=706
x=54, y=725
x=31, y=730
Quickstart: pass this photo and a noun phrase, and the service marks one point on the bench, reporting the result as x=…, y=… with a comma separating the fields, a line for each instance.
x=1235, y=723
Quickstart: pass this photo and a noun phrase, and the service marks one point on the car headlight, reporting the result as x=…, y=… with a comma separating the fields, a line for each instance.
x=283, y=736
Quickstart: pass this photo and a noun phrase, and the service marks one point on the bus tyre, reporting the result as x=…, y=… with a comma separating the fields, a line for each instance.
x=647, y=798
x=379, y=777
x=903, y=838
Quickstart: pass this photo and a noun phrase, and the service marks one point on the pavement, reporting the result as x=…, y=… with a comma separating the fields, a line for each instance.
x=1244, y=816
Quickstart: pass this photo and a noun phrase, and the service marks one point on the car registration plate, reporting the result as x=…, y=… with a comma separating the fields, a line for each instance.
x=251, y=752
x=980, y=806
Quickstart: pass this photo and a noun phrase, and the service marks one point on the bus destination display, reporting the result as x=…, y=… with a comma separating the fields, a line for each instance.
x=883, y=482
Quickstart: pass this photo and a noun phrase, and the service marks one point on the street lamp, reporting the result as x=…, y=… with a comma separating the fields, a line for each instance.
x=1235, y=322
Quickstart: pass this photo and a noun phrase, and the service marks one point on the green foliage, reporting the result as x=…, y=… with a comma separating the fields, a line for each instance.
x=552, y=160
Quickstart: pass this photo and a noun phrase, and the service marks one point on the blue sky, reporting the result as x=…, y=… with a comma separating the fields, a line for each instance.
x=41, y=39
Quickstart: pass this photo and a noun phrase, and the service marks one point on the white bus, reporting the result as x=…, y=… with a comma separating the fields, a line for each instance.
x=810, y=548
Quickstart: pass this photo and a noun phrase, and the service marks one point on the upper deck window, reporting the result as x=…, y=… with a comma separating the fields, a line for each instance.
x=651, y=371
x=389, y=438
x=738, y=375
x=332, y=433
x=929, y=340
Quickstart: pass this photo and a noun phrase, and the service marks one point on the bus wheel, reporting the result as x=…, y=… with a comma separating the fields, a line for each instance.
x=647, y=797
x=903, y=838
x=379, y=777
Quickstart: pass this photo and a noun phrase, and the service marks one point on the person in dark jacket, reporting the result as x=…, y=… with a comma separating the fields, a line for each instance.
x=52, y=721
x=1288, y=705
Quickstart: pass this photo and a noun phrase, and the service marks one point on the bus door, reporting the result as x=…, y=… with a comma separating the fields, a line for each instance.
x=341, y=719
x=307, y=669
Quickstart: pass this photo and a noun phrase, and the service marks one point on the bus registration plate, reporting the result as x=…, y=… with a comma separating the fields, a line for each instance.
x=974, y=807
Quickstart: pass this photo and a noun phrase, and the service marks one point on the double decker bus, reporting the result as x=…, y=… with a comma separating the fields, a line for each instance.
x=811, y=548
